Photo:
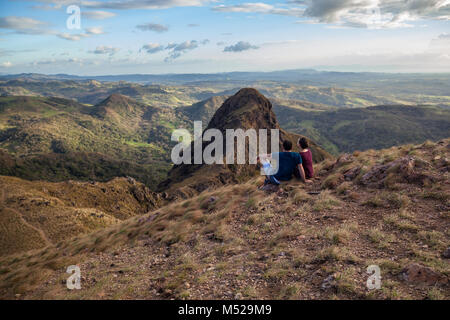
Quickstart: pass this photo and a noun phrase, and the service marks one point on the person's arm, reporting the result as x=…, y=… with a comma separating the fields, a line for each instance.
x=302, y=174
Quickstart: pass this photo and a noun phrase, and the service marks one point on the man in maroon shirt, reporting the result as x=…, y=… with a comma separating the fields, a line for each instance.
x=306, y=155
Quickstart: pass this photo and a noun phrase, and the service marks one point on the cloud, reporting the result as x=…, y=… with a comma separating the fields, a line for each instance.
x=72, y=37
x=259, y=7
x=105, y=50
x=6, y=64
x=4, y=53
x=444, y=36
x=175, y=50
x=441, y=43
x=58, y=62
x=23, y=25
x=140, y=4
x=239, y=47
x=153, y=27
x=78, y=36
x=352, y=13
x=94, y=30
x=193, y=25
x=178, y=49
x=152, y=48
x=375, y=13
x=97, y=15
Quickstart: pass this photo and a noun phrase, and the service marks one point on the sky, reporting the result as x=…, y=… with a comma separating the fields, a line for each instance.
x=210, y=36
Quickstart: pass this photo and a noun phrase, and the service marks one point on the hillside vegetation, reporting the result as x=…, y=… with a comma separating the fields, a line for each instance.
x=57, y=139
x=366, y=128
x=93, y=92
x=388, y=208
x=37, y=214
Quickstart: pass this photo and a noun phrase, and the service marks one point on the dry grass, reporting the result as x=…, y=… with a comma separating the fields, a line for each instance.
x=326, y=201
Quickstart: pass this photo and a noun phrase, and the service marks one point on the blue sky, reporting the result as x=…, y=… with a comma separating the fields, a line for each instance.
x=205, y=36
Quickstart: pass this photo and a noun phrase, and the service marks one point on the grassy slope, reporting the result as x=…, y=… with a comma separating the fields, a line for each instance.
x=36, y=214
x=239, y=242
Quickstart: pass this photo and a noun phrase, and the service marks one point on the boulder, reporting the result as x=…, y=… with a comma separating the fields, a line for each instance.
x=418, y=274
x=351, y=174
x=375, y=176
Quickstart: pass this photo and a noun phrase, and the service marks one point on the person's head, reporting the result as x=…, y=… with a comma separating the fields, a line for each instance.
x=287, y=145
x=303, y=143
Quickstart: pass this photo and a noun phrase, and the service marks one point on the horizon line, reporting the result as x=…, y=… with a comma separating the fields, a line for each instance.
x=221, y=73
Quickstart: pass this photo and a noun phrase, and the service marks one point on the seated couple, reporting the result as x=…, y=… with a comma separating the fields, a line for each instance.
x=289, y=163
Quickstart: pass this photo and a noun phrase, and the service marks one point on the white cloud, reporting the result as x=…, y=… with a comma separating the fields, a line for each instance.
x=260, y=7
x=78, y=36
x=352, y=13
x=7, y=64
x=94, y=30
x=23, y=25
x=72, y=37
x=97, y=15
x=124, y=4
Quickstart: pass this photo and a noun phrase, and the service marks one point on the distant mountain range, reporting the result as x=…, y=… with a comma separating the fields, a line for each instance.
x=299, y=76
x=340, y=89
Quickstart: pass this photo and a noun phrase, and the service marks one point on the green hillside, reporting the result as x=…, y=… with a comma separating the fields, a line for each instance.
x=57, y=139
x=377, y=127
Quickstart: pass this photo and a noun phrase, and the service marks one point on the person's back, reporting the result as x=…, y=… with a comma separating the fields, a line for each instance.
x=287, y=162
x=306, y=156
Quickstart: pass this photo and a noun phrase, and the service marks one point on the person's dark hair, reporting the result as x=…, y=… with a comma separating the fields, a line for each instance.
x=303, y=143
x=287, y=145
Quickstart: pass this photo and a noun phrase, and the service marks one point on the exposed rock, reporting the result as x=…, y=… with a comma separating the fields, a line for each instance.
x=418, y=274
x=351, y=174
x=378, y=173
x=344, y=159
x=270, y=188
